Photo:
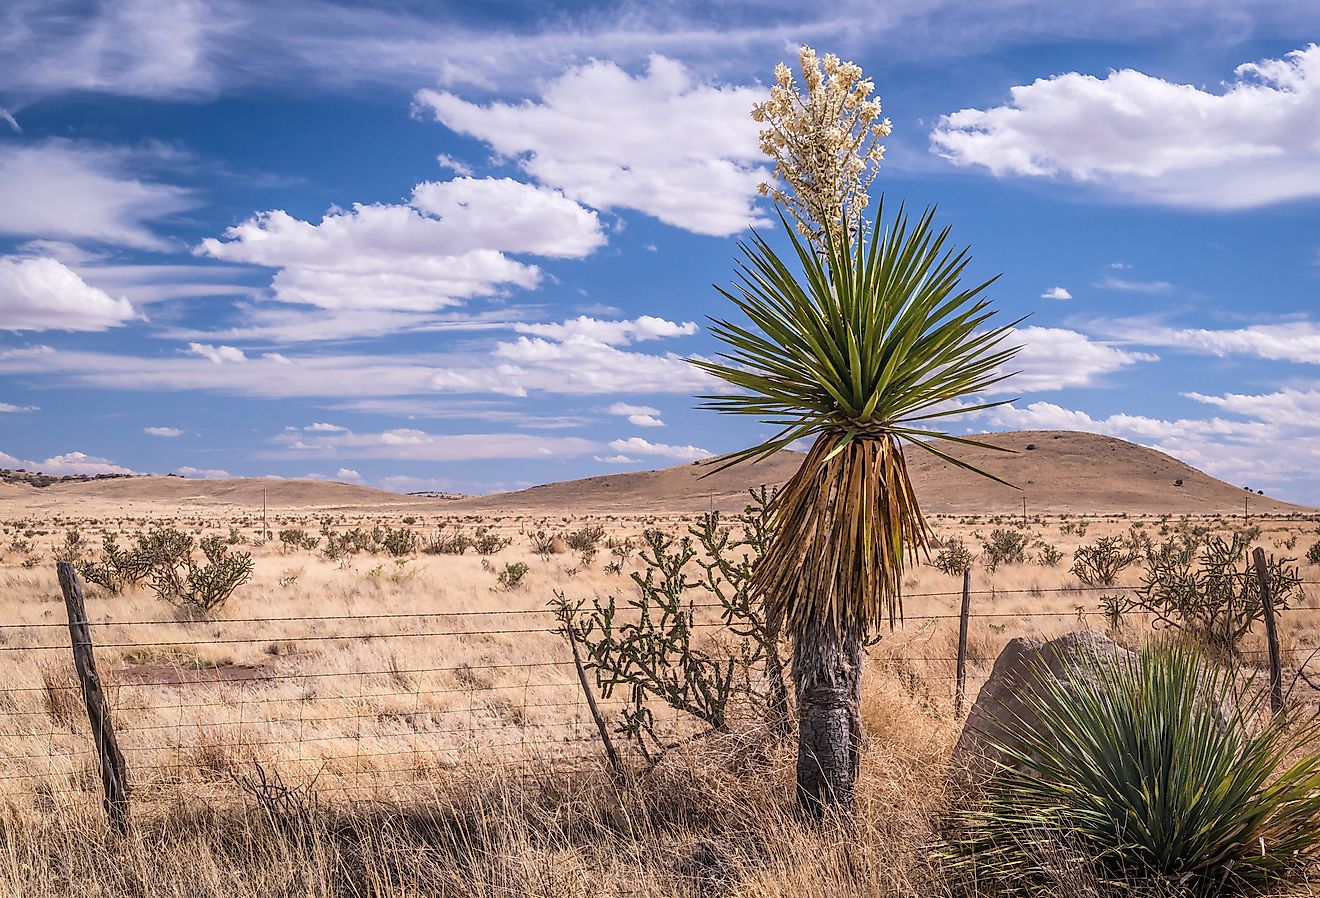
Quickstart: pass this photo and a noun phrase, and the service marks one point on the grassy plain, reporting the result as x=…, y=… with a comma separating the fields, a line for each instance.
x=437, y=717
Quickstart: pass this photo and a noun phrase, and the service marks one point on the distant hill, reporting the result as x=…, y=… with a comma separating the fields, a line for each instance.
x=1056, y=472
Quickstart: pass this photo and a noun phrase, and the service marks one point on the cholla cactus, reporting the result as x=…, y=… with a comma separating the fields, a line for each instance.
x=825, y=143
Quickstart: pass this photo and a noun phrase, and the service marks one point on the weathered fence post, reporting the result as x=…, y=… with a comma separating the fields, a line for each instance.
x=616, y=767
x=1271, y=630
x=114, y=777
x=960, y=696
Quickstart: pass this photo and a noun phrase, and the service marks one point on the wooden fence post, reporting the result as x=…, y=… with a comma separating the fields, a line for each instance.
x=1271, y=630
x=960, y=696
x=114, y=777
x=616, y=767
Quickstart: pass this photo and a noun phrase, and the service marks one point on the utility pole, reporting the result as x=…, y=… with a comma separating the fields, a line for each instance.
x=1024, y=512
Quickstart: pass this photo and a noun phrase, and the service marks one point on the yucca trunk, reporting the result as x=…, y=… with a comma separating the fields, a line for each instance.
x=827, y=677
x=844, y=522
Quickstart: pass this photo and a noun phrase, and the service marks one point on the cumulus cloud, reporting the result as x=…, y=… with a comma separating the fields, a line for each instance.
x=68, y=463
x=448, y=245
x=218, y=355
x=611, y=140
x=637, y=415
x=1055, y=358
x=43, y=294
x=162, y=431
x=8, y=408
x=1249, y=144
x=347, y=474
x=612, y=333
x=323, y=427
x=203, y=473
x=1056, y=293
x=639, y=446
x=74, y=191
x=1296, y=341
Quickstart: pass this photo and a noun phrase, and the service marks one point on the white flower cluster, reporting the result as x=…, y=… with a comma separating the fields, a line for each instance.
x=825, y=143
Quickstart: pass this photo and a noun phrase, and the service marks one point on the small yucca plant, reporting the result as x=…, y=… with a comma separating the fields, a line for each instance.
x=1150, y=768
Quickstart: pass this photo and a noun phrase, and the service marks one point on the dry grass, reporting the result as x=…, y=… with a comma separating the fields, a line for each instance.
x=450, y=747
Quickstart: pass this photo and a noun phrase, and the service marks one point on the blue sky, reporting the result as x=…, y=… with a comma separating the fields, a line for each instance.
x=469, y=246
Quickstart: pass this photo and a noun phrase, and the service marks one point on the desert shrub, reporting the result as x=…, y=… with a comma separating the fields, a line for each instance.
x=1048, y=555
x=1313, y=554
x=73, y=548
x=177, y=578
x=953, y=557
x=488, y=542
x=1138, y=768
x=1210, y=590
x=586, y=541
x=544, y=544
x=399, y=542
x=647, y=648
x=297, y=538
x=116, y=568
x=1100, y=563
x=449, y=539
x=1004, y=547
x=511, y=577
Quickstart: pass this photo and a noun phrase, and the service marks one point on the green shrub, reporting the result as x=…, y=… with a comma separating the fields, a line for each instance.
x=1313, y=554
x=1100, y=563
x=1004, y=547
x=511, y=577
x=1138, y=772
x=953, y=557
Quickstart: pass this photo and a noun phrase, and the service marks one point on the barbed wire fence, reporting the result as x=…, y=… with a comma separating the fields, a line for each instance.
x=184, y=727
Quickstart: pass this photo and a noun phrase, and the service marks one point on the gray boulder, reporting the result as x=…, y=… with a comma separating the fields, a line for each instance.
x=1019, y=671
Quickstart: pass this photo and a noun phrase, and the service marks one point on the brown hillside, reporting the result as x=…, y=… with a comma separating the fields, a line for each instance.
x=1067, y=471
x=140, y=493
x=1080, y=473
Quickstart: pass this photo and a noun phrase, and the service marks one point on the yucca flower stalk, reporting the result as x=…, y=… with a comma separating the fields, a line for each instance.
x=861, y=349
x=1153, y=768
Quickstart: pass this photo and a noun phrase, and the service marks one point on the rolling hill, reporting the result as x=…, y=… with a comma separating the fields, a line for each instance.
x=1055, y=471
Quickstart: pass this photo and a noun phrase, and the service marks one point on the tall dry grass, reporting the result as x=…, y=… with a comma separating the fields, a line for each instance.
x=450, y=748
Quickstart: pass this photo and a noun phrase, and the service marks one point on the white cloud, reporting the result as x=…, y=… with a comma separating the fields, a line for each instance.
x=162, y=431
x=446, y=246
x=615, y=459
x=577, y=366
x=347, y=474
x=1250, y=144
x=7, y=408
x=323, y=427
x=65, y=190
x=1056, y=293
x=43, y=294
x=637, y=415
x=219, y=355
x=457, y=166
x=1288, y=406
x=639, y=446
x=661, y=143
x=418, y=445
x=68, y=463
x=1296, y=341
x=1055, y=358
x=1109, y=282
x=203, y=473
x=612, y=333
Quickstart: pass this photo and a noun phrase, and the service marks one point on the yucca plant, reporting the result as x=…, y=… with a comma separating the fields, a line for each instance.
x=858, y=348
x=1148, y=768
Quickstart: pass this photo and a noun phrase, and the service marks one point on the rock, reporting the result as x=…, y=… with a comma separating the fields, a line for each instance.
x=1019, y=671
